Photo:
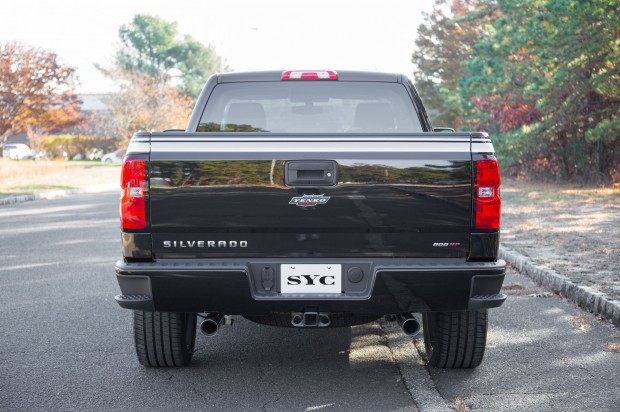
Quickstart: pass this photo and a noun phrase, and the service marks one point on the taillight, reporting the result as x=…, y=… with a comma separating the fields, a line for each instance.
x=309, y=75
x=133, y=183
x=488, y=201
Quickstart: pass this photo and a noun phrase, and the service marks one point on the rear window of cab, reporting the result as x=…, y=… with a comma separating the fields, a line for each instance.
x=310, y=107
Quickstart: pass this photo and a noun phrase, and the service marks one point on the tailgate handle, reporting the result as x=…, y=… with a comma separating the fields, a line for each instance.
x=310, y=173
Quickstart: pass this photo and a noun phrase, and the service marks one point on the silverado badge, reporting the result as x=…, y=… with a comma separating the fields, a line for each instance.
x=309, y=200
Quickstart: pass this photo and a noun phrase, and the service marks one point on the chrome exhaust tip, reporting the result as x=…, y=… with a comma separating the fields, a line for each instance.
x=409, y=324
x=211, y=324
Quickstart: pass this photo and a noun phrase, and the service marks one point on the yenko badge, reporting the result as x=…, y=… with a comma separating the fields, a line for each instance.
x=309, y=200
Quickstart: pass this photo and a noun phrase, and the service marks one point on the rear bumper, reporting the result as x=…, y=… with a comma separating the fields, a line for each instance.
x=244, y=288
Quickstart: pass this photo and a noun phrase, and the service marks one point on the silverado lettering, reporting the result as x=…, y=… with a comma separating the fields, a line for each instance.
x=204, y=243
x=340, y=188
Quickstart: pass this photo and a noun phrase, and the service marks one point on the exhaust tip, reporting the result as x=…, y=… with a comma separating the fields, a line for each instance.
x=211, y=324
x=409, y=324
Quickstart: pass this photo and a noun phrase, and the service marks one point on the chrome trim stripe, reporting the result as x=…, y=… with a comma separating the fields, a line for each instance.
x=138, y=147
x=307, y=139
x=261, y=144
x=269, y=146
x=487, y=147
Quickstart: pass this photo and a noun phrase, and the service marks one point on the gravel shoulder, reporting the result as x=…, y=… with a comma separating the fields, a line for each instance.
x=569, y=229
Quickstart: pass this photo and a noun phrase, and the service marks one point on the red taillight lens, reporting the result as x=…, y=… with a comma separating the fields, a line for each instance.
x=488, y=201
x=133, y=182
x=309, y=75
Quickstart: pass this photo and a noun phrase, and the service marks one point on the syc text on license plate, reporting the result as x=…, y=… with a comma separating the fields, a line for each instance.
x=307, y=278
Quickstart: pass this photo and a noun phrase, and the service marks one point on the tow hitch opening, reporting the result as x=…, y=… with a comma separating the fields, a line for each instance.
x=310, y=319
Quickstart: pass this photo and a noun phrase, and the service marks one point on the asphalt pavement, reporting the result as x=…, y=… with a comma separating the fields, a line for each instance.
x=66, y=345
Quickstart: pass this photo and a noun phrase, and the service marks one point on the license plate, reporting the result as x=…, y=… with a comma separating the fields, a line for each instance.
x=310, y=278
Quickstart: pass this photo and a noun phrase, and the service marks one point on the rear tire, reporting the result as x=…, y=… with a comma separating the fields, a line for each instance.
x=164, y=339
x=455, y=340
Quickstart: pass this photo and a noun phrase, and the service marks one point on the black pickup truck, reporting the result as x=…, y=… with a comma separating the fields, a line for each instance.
x=310, y=199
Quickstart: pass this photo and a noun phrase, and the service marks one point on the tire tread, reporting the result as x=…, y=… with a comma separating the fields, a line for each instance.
x=455, y=340
x=164, y=339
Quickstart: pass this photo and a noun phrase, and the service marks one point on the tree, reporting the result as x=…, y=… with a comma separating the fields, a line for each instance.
x=445, y=41
x=153, y=46
x=543, y=76
x=36, y=90
x=546, y=77
x=145, y=103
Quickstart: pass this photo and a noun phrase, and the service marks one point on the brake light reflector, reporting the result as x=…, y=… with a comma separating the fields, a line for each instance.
x=133, y=183
x=309, y=75
x=488, y=203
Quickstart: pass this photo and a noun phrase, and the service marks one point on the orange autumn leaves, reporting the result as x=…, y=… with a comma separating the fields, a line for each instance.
x=36, y=90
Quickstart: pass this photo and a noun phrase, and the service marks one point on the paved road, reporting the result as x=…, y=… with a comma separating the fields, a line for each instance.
x=65, y=345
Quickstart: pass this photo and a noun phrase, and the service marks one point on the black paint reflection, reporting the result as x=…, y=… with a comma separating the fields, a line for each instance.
x=398, y=208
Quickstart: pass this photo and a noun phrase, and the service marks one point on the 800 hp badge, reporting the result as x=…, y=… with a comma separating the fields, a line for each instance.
x=309, y=200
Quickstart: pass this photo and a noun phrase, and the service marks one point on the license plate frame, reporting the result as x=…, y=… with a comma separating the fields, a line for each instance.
x=310, y=278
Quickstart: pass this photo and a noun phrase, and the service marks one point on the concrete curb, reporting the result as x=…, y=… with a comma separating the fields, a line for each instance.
x=412, y=369
x=583, y=296
x=11, y=200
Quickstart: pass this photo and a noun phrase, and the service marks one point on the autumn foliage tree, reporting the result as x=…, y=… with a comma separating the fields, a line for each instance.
x=36, y=90
x=145, y=103
x=444, y=43
x=543, y=76
x=546, y=78
x=158, y=73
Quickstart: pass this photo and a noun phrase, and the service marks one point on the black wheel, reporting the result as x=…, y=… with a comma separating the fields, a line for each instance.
x=164, y=339
x=455, y=340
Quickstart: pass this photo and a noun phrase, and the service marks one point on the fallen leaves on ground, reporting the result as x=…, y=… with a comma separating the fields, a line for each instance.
x=515, y=289
x=613, y=347
x=581, y=323
x=460, y=406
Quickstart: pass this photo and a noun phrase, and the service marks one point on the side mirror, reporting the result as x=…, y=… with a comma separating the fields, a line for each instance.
x=442, y=129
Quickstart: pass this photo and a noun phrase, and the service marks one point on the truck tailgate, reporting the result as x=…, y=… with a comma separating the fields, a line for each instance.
x=215, y=195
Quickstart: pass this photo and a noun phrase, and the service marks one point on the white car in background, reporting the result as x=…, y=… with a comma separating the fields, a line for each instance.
x=18, y=151
x=114, y=157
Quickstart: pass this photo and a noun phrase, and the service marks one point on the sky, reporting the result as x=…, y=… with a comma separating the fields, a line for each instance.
x=251, y=35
